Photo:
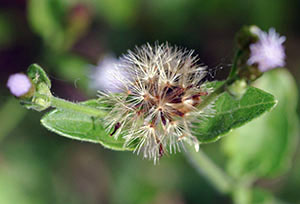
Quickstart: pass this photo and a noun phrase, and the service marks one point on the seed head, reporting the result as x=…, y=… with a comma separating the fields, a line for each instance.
x=158, y=103
x=103, y=76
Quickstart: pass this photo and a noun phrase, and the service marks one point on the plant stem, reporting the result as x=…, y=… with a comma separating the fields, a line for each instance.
x=234, y=64
x=211, y=97
x=76, y=107
x=219, y=179
x=204, y=166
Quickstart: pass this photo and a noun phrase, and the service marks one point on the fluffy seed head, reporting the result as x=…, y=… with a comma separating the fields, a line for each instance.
x=157, y=107
x=268, y=51
x=103, y=76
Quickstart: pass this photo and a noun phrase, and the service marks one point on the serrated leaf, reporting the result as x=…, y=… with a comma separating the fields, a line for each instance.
x=232, y=113
x=82, y=127
x=264, y=147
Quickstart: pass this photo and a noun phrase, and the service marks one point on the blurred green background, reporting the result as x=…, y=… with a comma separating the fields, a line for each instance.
x=67, y=37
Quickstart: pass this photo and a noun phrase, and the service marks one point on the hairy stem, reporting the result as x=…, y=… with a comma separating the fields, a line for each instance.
x=76, y=107
x=204, y=166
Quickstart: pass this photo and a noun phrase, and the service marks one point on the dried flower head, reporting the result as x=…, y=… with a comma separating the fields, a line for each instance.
x=19, y=84
x=158, y=105
x=268, y=51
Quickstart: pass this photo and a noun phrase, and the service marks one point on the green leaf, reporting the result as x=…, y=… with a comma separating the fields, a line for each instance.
x=118, y=13
x=254, y=196
x=81, y=127
x=260, y=196
x=38, y=75
x=45, y=17
x=264, y=147
x=231, y=113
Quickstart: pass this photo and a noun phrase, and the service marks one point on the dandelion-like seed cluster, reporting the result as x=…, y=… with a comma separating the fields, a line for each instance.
x=157, y=108
x=103, y=76
x=268, y=52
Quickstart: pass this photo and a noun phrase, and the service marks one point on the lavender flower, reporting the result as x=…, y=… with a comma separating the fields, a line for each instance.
x=108, y=75
x=19, y=84
x=268, y=51
x=157, y=107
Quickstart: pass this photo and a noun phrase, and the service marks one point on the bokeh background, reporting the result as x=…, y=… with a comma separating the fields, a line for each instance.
x=68, y=38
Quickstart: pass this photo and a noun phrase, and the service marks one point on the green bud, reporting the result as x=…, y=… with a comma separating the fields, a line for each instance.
x=40, y=99
x=238, y=88
x=246, y=36
x=250, y=73
x=38, y=75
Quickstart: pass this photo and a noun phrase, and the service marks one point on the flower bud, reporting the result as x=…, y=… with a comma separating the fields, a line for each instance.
x=268, y=52
x=247, y=36
x=32, y=89
x=238, y=89
x=108, y=75
x=42, y=100
x=20, y=85
x=259, y=52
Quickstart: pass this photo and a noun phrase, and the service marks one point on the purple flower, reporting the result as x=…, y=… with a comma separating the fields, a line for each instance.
x=19, y=84
x=108, y=75
x=268, y=51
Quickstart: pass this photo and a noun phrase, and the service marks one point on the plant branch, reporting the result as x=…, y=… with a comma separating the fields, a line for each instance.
x=76, y=107
x=234, y=64
x=222, y=88
x=211, y=97
x=204, y=166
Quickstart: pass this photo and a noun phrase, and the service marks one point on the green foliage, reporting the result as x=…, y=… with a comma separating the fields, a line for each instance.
x=39, y=99
x=260, y=196
x=264, y=146
x=38, y=75
x=11, y=107
x=231, y=113
x=254, y=196
x=74, y=69
x=82, y=127
x=118, y=13
x=45, y=19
